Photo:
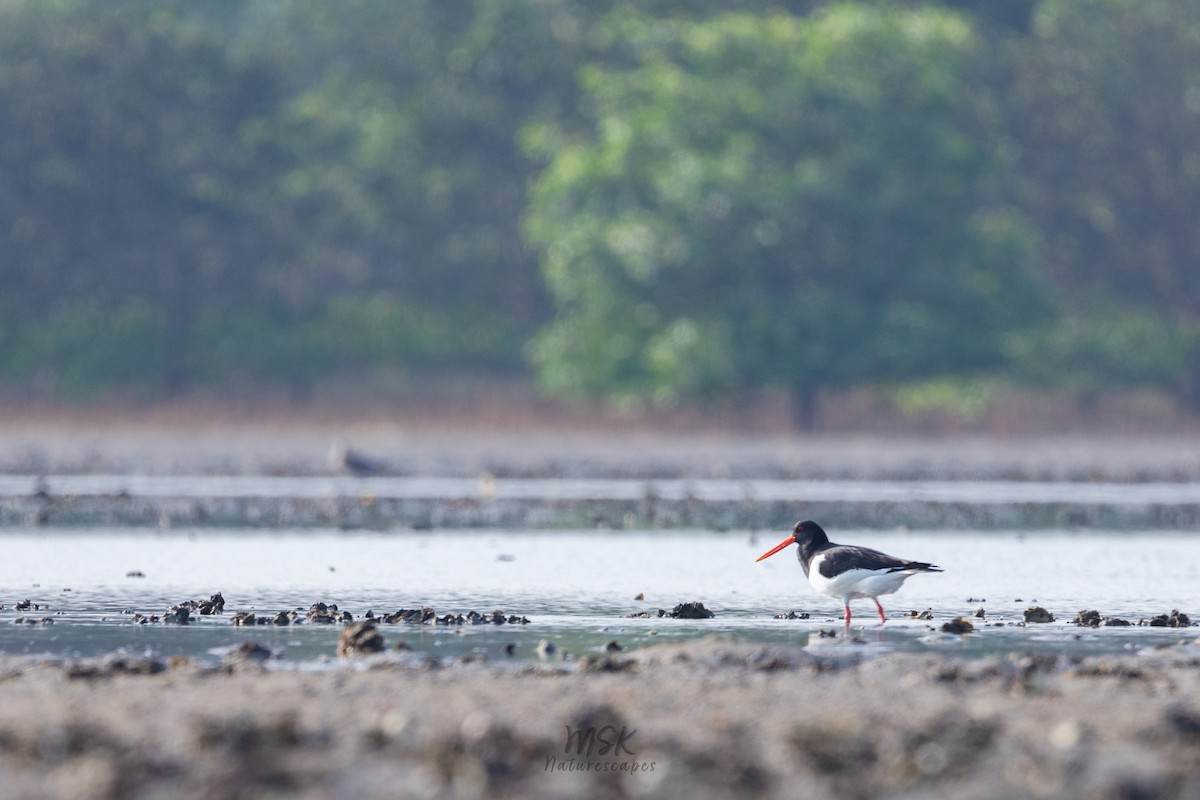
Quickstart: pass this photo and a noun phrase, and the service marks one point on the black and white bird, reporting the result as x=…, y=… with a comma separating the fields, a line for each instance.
x=846, y=571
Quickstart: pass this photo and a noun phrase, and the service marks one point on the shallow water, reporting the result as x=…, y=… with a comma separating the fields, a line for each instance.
x=577, y=588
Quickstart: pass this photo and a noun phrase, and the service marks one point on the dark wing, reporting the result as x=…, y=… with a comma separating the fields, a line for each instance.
x=847, y=557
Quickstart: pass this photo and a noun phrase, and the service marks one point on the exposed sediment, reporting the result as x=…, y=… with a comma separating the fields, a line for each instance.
x=363, y=509
x=715, y=718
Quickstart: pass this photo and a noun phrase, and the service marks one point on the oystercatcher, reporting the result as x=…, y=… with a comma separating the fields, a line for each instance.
x=846, y=571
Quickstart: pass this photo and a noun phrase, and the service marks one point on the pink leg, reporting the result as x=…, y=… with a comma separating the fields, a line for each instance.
x=847, y=613
x=882, y=616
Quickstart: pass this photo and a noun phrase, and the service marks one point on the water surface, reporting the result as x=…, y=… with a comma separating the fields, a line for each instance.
x=577, y=588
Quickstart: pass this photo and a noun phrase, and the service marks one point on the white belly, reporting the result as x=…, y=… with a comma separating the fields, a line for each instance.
x=855, y=583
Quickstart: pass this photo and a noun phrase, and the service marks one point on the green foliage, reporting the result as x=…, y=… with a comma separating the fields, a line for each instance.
x=967, y=399
x=82, y=347
x=1106, y=111
x=654, y=200
x=1107, y=348
x=772, y=201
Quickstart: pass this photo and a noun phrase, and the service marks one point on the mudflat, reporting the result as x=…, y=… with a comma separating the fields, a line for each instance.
x=204, y=441
x=713, y=718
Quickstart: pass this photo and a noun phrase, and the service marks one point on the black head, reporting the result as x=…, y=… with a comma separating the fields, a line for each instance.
x=807, y=534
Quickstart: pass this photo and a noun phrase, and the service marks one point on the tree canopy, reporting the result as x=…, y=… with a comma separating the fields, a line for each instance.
x=642, y=199
x=771, y=201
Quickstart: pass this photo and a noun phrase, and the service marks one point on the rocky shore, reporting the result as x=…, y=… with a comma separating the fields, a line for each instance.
x=713, y=718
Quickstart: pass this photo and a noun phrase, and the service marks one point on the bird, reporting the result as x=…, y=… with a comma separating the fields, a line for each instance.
x=343, y=457
x=847, y=572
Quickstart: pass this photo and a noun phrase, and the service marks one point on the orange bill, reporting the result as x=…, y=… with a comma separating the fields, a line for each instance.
x=776, y=548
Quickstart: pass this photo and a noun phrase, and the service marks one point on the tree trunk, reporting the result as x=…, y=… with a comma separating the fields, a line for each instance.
x=804, y=408
x=180, y=307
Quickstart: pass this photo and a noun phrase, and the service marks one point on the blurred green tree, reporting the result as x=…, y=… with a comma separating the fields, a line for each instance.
x=131, y=177
x=777, y=202
x=1105, y=111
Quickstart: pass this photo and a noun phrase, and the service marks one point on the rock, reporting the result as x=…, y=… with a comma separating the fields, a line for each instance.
x=613, y=647
x=250, y=655
x=26, y=605
x=545, y=648
x=135, y=573
x=108, y=666
x=323, y=614
x=214, y=605
x=960, y=625
x=640, y=596
x=605, y=663
x=1038, y=614
x=1088, y=619
x=1176, y=619
x=980, y=613
x=694, y=610
x=926, y=614
x=244, y=618
x=1114, y=622
x=360, y=638
x=177, y=615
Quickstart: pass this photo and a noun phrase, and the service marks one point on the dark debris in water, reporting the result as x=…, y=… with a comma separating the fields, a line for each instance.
x=181, y=613
x=960, y=625
x=1037, y=614
x=692, y=610
x=330, y=614
x=1094, y=619
x=1176, y=619
x=791, y=614
x=428, y=616
x=325, y=614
